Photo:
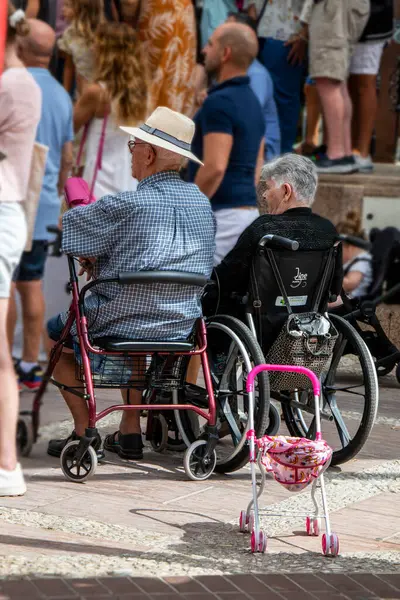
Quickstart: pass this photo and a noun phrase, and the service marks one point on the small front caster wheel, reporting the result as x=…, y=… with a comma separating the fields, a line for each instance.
x=25, y=436
x=260, y=544
x=197, y=466
x=330, y=545
x=69, y=465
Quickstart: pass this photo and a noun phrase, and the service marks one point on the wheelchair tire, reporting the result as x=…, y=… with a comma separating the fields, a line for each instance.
x=348, y=339
x=237, y=456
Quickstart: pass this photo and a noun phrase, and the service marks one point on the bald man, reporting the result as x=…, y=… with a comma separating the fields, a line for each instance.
x=55, y=131
x=229, y=136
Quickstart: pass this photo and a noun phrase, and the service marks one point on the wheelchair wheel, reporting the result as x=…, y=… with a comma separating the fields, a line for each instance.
x=232, y=353
x=349, y=400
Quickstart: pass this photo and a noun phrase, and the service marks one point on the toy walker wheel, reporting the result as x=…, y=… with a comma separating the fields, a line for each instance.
x=260, y=544
x=316, y=526
x=70, y=468
x=159, y=436
x=197, y=467
x=25, y=436
x=398, y=373
x=331, y=548
x=250, y=521
x=309, y=526
x=243, y=521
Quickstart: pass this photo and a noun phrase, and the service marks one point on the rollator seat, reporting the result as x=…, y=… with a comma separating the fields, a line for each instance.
x=124, y=345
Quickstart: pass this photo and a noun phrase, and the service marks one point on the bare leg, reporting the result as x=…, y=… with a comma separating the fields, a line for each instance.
x=313, y=115
x=33, y=310
x=9, y=399
x=11, y=317
x=364, y=90
x=64, y=372
x=130, y=421
x=348, y=111
x=334, y=111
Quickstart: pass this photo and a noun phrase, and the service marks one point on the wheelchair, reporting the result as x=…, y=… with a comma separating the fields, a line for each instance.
x=384, y=246
x=216, y=440
x=349, y=397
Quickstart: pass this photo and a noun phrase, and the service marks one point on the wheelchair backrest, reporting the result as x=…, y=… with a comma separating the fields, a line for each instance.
x=304, y=277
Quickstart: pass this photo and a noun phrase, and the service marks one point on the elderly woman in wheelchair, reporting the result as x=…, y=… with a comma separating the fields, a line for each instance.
x=284, y=270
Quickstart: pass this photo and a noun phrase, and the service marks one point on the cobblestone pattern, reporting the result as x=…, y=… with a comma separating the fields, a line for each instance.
x=304, y=586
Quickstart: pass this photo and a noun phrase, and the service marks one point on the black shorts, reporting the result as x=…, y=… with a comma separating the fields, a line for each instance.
x=31, y=265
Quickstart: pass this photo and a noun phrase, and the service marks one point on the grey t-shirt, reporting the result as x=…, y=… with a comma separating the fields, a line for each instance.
x=362, y=264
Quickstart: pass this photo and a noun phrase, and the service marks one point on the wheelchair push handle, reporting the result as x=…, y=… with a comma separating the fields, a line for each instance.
x=286, y=369
x=355, y=241
x=278, y=242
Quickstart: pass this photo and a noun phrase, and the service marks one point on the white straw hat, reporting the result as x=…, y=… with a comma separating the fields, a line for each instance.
x=167, y=129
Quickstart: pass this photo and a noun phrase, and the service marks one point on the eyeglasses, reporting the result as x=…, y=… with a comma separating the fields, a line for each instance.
x=133, y=143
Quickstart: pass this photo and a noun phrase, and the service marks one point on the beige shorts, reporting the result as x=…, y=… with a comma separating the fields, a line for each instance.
x=335, y=27
x=12, y=242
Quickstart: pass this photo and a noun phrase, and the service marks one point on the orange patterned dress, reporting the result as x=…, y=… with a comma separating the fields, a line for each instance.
x=167, y=30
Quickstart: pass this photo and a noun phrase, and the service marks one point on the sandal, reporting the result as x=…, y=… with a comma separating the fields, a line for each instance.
x=129, y=446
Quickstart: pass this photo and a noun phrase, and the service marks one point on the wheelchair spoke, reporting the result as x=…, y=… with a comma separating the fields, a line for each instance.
x=344, y=435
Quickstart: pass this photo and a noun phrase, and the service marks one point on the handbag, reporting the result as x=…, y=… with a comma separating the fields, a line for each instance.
x=306, y=339
x=76, y=189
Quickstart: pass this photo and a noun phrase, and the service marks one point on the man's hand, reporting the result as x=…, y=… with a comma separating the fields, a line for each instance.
x=298, y=50
x=86, y=267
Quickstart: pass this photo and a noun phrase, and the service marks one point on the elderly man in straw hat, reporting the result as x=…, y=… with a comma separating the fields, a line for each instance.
x=166, y=224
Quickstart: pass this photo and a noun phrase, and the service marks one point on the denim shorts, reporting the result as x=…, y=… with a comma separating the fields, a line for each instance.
x=32, y=263
x=55, y=328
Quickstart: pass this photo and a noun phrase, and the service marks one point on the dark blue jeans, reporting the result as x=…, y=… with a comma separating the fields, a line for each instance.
x=287, y=87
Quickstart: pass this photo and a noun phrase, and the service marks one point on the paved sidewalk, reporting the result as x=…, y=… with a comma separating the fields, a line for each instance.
x=305, y=586
x=146, y=520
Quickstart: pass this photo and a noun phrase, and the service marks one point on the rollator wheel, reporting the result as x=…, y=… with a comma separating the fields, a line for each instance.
x=243, y=521
x=274, y=421
x=159, y=436
x=25, y=436
x=196, y=467
x=73, y=472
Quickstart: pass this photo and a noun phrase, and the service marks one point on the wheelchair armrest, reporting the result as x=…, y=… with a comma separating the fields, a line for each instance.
x=354, y=241
x=179, y=277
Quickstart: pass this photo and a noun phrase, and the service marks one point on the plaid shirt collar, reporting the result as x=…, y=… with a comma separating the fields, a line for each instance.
x=170, y=176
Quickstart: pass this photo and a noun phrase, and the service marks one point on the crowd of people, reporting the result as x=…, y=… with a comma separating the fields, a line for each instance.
x=80, y=75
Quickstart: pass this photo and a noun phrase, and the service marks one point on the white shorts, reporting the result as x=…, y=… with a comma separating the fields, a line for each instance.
x=12, y=242
x=366, y=59
x=231, y=222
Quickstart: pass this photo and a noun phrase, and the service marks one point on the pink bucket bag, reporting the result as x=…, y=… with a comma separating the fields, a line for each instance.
x=76, y=189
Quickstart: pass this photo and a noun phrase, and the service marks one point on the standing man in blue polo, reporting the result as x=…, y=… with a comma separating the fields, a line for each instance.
x=229, y=136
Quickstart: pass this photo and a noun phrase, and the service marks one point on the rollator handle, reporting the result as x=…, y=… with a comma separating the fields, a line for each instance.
x=278, y=242
x=355, y=241
x=179, y=277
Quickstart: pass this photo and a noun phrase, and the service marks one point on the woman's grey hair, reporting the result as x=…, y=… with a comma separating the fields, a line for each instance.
x=299, y=171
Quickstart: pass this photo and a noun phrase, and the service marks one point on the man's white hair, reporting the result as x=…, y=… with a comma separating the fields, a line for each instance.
x=169, y=160
x=299, y=171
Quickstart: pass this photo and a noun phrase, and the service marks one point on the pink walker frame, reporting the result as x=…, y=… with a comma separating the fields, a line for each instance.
x=250, y=518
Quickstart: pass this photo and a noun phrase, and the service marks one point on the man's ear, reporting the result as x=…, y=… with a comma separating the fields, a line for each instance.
x=288, y=192
x=226, y=54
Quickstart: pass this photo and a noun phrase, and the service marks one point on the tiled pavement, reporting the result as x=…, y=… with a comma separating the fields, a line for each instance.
x=304, y=586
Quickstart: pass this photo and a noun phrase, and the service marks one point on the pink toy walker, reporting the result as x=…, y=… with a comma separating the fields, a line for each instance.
x=294, y=463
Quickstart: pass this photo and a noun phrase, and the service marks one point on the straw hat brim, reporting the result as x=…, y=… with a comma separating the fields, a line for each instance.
x=156, y=141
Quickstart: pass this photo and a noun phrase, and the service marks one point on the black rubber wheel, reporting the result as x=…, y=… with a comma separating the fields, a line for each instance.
x=398, y=373
x=229, y=374
x=274, y=421
x=349, y=397
x=73, y=472
x=25, y=436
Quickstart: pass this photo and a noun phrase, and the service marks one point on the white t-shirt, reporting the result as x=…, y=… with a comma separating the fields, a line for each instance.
x=361, y=264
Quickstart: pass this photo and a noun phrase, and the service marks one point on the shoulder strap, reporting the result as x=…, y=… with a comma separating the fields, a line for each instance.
x=262, y=11
x=99, y=152
x=355, y=261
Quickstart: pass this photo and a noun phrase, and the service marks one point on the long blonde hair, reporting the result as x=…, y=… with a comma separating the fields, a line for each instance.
x=88, y=14
x=120, y=67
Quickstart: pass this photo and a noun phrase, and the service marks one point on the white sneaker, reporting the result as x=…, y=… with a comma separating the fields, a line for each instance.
x=12, y=483
x=365, y=164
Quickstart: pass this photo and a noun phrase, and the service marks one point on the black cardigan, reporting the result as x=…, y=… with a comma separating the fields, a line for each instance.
x=310, y=230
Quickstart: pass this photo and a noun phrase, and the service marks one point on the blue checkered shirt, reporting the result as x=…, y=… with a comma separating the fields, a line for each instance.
x=166, y=224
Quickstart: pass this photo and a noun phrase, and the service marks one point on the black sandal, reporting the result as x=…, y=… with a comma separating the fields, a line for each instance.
x=128, y=446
